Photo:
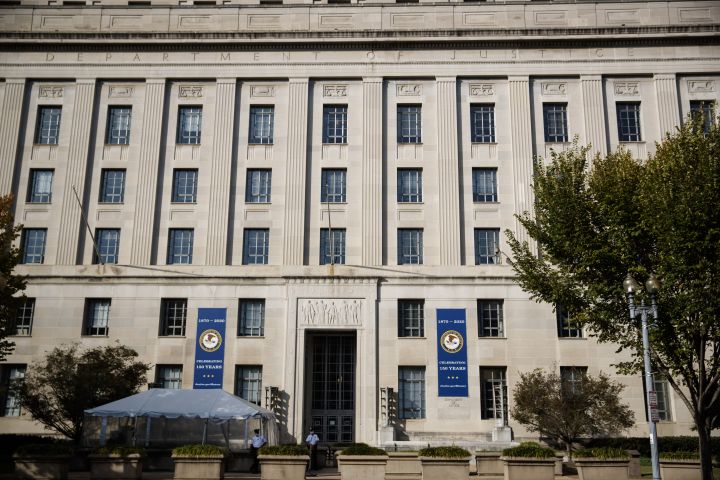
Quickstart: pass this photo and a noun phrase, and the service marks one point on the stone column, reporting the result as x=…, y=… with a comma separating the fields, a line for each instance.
x=522, y=152
x=372, y=176
x=70, y=215
x=220, y=172
x=144, y=221
x=448, y=177
x=667, y=99
x=9, y=130
x=295, y=164
x=594, y=113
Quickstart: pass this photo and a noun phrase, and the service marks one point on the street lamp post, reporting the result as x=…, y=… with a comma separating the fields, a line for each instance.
x=651, y=286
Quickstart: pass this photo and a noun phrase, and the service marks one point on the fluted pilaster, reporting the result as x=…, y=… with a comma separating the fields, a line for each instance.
x=70, y=215
x=372, y=228
x=9, y=128
x=295, y=162
x=148, y=172
x=220, y=173
x=521, y=143
x=594, y=113
x=448, y=177
x=667, y=99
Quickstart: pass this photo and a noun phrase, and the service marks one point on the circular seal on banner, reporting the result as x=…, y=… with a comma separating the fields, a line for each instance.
x=210, y=340
x=451, y=341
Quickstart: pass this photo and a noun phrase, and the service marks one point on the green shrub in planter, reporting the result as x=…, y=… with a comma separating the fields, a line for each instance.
x=199, y=451
x=289, y=450
x=529, y=450
x=195, y=462
x=45, y=450
x=604, y=453
x=362, y=449
x=43, y=460
x=444, y=452
x=122, y=450
x=679, y=456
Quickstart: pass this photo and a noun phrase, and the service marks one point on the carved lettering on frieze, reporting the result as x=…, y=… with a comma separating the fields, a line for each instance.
x=121, y=91
x=626, y=88
x=51, y=91
x=554, y=88
x=701, y=86
x=482, y=89
x=409, y=89
x=190, y=91
x=335, y=91
x=334, y=311
x=262, y=91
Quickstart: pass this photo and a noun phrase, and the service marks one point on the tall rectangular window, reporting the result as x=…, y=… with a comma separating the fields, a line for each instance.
x=487, y=246
x=112, y=188
x=566, y=328
x=493, y=392
x=257, y=186
x=555, y=121
x=411, y=318
x=482, y=123
x=705, y=109
x=185, y=185
x=118, y=126
x=411, y=392
x=33, y=245
x=484, y=185
x=10, y=378
x=332, y=246
x=40, y=189
x=189, y=125
x=108, y=245
x=410, y=246
x=409, y=124
x=180, y=246
x=252, y=318
x=97, y=314
x=409, y=189
x=572, y=378
x=169, y=376
x=335, y=123
x=261, y=125
x=333, y=185
x=490, y=318
x=24, y=318
x=662, y=390
x=628, y=120
x=256, y=246
x=173, y=315
x=48, y=125
x=248, y=382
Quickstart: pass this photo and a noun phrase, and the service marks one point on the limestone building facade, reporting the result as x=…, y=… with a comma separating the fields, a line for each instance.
x=331, y=174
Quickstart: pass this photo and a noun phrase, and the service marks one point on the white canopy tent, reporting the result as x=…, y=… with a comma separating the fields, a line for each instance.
x=215, y=405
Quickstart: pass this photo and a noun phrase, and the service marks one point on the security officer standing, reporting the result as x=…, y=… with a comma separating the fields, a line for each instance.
x=312, y=441
x=257, y=442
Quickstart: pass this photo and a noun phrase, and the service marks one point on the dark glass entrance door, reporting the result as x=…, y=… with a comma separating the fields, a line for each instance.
x=332, y=384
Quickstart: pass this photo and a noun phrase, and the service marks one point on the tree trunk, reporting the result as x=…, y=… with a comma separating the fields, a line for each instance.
x=705, y=450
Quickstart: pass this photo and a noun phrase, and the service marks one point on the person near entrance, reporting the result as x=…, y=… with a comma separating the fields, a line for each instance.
x=257, y=442
x=312, y=441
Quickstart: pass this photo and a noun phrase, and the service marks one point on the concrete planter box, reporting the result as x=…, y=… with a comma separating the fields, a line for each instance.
x=521, y=468
x=559, y=463
x=42, y=467
x=403, y=466
x=489, y=463
x=603, y=469
x=115, y=466
x=680, y=469
x=434, y=468
x=362, y=467
x=283, y=467
x=199, y=468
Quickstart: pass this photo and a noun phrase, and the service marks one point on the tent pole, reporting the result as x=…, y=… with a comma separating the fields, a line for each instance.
x=147, y=431
x=103, y=430
x=246, y=431
x=134, y=432
x=204, y=440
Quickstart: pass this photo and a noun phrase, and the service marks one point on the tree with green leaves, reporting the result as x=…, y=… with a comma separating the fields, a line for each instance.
x=10, y=283
x=595, y=223
x=57, y=391
x=569, y=411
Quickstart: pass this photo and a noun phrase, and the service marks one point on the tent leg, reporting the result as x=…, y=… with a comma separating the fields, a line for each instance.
x=246, y=432
x=204, y=439
x=147, y=431
x=226, y=433
x=103, y=431
x=134, y=431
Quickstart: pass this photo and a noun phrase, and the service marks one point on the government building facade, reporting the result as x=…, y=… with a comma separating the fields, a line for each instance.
x=337, y=179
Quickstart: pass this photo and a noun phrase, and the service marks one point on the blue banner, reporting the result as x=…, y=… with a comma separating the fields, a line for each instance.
x=210, y=348
x=452, y=353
